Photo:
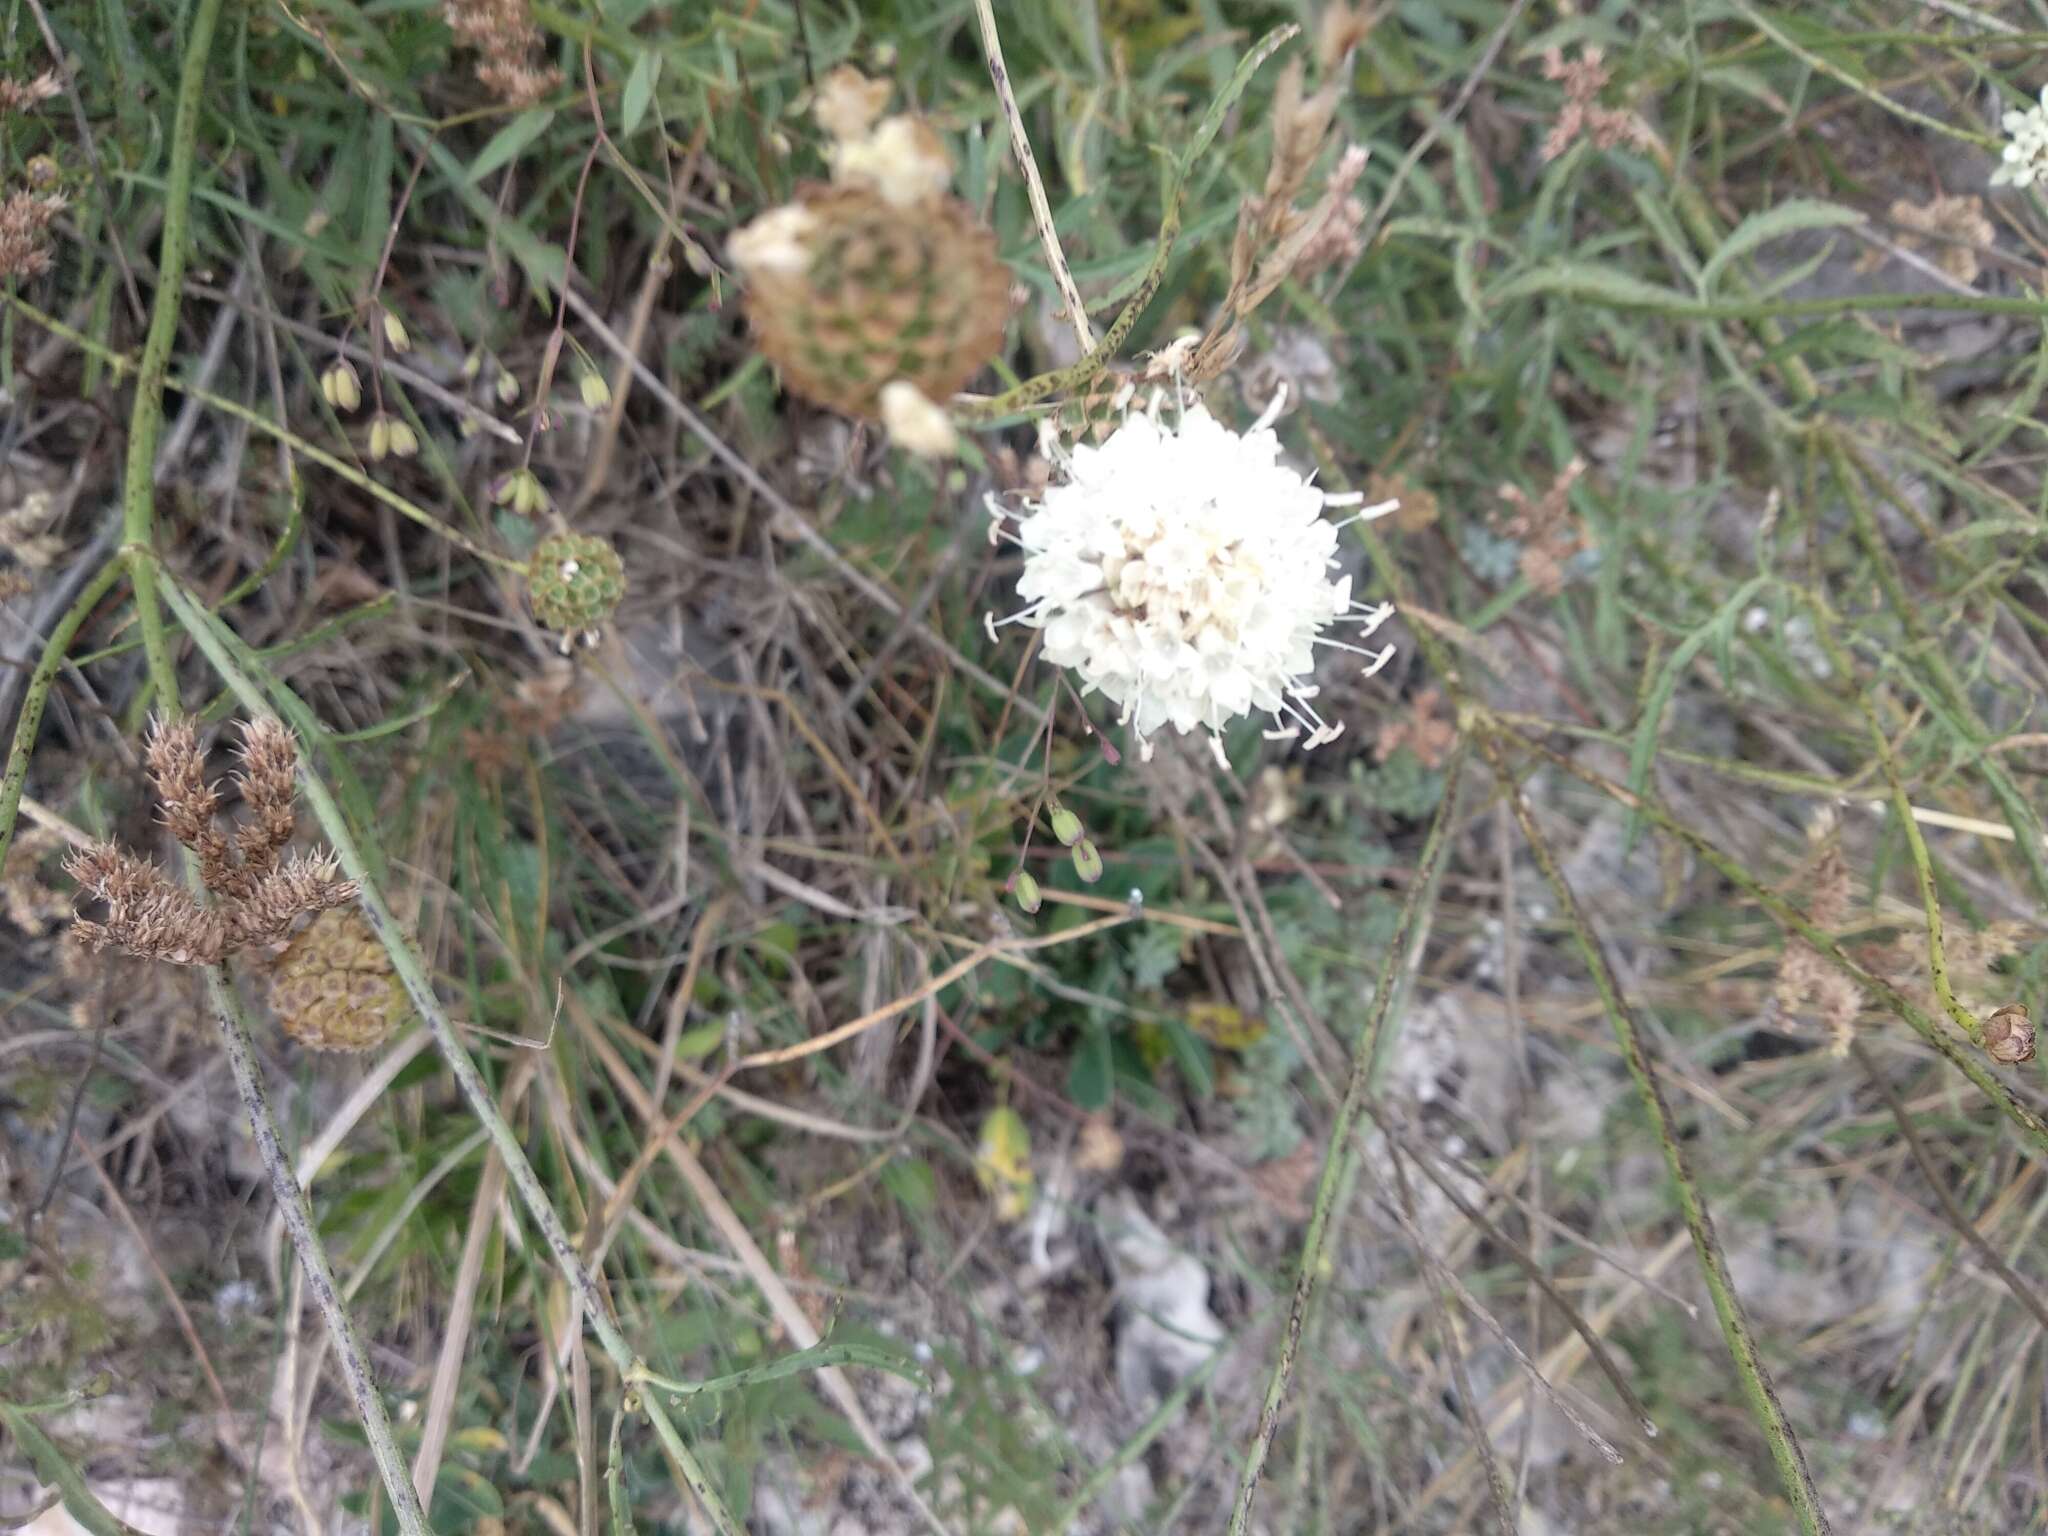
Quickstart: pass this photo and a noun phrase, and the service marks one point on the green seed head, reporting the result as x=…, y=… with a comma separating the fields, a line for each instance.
x=1066, y=826
x=575, y=582
x=1026, y=890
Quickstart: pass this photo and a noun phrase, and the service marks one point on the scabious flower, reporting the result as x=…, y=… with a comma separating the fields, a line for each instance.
x=1187, y=574
x=2026, y=157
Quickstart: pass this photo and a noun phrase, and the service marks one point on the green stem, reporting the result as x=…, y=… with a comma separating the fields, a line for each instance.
x=40, y=682
x=1749, y=1365
x=146, y=419
x=412, y=972
x=297, y=1213
x=1309, y=1273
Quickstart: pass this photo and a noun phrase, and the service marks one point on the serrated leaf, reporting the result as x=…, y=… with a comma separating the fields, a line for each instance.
x=1788, y=218
x=639, y=92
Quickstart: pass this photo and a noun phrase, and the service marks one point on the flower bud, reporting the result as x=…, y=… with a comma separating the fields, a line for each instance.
x=1087, y=860
x=1025, y=889
x=380, y=436
x=340, y=387
x=404, y=441
x=596, y=393
x=1066, y=826
x=508, y=388
x=395, y=333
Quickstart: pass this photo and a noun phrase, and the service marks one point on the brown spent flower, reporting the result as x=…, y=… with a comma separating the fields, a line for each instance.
x=1583, y=79
x=1546, y=529
x=504, y=34
x=25, y=219
x=2009, y=1035
x=151, y=916
x=848, y=103
x=1806, y=982
x=1953, y=229
x=333, y=988
x=1423, y=731
x=21, y=95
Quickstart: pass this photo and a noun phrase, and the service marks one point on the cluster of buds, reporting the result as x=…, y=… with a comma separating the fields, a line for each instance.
x=520, y=490
x=1023, y=887
x=257, y=892
x=392, y=437
x=575, y=582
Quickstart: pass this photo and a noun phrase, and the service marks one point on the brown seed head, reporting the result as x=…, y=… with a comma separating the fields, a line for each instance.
x=2009, y=1035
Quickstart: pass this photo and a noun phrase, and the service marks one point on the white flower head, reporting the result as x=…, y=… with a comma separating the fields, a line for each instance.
x=1187, y=574
x=2025, y=160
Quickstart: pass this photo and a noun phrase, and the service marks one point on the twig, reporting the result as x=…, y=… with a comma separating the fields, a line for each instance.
x=1309, y=1271
x=1041, y=211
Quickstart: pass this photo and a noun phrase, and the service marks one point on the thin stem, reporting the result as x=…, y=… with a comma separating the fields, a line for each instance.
x=412, y=972
x=2030, y=1125
x=40, y=682
x=1041, y=210
x=1749, y=1364
x=146, y=419
x=298, y=1221
x=1309, y=1272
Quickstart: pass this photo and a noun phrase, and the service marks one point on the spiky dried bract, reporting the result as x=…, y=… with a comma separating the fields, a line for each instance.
x=269, y=783
x=189, y=802
x=853, y=292
x=258, y=898
x=147, y=915
x=22, y=95
x=25, y=218
x=575, y=582
x=504, y=34
x=333, y=988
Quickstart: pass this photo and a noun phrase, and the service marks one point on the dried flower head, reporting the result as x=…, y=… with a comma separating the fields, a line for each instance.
x=1546, y=528
x=1429, y=735
x=848, y=103
x=25, y=218
x=1806, y=982
x=257, y=897
x=916, y=422
x=2025, y=157
x=1583, y=79
x=2009, y=1035
x=333, y=988
x=902, y=161
x=505, y=37
x=1186, y=573
x=32, y=904
x=1952, y=229
x=22, y=95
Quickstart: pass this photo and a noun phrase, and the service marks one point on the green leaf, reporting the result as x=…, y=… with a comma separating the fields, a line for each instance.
x=1644, y=749
x=912, y=1182
x=1088, y=1078
x=1191, y=1055
x=1788, y=218
x=1588, y=280
x=639, y=92
x=507, y=142
x=53, y=1469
